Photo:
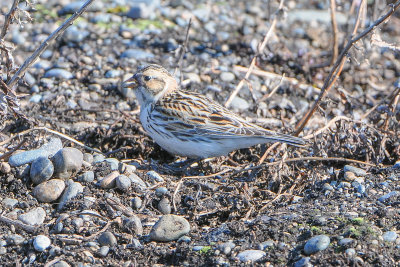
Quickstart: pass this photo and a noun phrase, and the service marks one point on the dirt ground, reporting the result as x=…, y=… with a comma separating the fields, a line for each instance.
x=244, y=198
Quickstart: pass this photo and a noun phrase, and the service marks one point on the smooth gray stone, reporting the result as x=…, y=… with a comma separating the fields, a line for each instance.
x=73, y=189
x=41, y=243
x=41, y=170
x=47, y=150
x=35, y=216
x=58, y=73
x=67, y=161
x=169, y=227
x=251, y=255
x=316, y=244
x=107, y=239
x=49, y=191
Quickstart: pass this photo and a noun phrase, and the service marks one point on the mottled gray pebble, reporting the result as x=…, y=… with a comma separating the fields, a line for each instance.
x=103, y=251
x=392, y=194
x=328, y=187
x=41, y=170
x=109, y=181
x=239, y=104
x=72, y=190
x=136, y=202
x=135, y=244
x=317, y=243
x=185, y=239
x=60, y=264
x=97, y=158
x=67, y=161
x=303, y=262
x=49, y=191
x=58, y=73
x=137, y=54
x=134, y=225
x=75, y=34
x=136, y=180
x=126, y=169
x=346, y=242
x=169, y=228
x=227, y=76
x=5, y=167
x=88, y=157
x=112, y=163
x=41, y=243
x=75, y=6
x=164, y=206
x=35, y=98
x=86, y=177
x=389, y=236
x=3, y=250
x=15, y=239
x=355, y=170
x=161, y=191
x=9, y=203
x=35, y=216
x=47, y=150
x=123, y=183
x=155, y=176
x=227, y=247
x=350, y=252
x=107, y=239
x=251, y=255
x=112, y=74
x=143, y=9
x=266, y=244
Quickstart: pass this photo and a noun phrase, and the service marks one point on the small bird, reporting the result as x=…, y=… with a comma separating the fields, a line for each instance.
x=189, y=124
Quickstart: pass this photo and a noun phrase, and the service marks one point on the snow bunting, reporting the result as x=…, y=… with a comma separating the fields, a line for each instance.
x=189, y=124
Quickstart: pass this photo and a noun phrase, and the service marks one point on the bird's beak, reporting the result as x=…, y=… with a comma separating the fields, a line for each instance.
x=131, y=82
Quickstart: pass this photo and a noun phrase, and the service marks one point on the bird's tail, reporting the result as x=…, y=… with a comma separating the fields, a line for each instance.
x=288, y=139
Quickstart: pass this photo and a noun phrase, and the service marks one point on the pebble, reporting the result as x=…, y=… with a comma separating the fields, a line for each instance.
x=103, y=251
x=5, y=167
x=355, y=170
x=227, y=247
x=72, y=190
x=112, y=163
x=239, y=104
x=134, y=225
x=346, y=242
x=75, y=6
x=67, y=161
x=58, y=73
x=137, y=180
x=41, y=170
x=15, y=239
x=164, y=206
x=47, y=150
x=155, y=176
x=35, y=216
x=389, y=236
x=3, y=250
x=303, y=262
x=97, y=158
x=35, y=98
x=227, y=76
x=137, y=54
x=316, y=244
x=169, y=227
x=86, y=177
x=109, y=181
x=392, y=194
x=126, y=169
x=185, y=239
x=74, y=34
x=266, y=244
x=9, y=203
x=49, y=191
x=112, y=74
x=123, y=183
x=60, y=264
x=41, y=243
x=161, y=191
x=350, y=252
x=88, y=157
x=251, y=255
x=143, y=9
x=107, y=239
x=136, y=202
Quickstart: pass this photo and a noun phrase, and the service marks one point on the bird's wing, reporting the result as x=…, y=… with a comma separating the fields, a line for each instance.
x=194, y=114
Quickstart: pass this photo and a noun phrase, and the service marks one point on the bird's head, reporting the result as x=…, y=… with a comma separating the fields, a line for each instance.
x=150, y=83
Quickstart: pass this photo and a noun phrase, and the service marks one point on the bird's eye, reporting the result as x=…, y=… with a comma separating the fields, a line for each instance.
x=147, y=78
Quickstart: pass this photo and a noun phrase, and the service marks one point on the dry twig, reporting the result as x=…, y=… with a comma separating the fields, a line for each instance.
x=336, y=69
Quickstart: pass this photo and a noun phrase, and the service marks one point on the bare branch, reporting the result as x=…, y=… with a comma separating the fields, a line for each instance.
x=8, y=19
x=46, y=43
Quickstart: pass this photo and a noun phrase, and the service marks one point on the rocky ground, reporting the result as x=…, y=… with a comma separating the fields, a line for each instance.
x=117, y=202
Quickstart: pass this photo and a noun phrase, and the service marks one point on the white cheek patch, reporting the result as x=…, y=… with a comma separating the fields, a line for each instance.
x=164, y=90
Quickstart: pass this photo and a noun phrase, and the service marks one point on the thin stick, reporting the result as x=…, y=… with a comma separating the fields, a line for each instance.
x=29, y=61
x=335, y=46
x=253, y=61
x=19, y=224
x=53, y=132
x=180, y=61
x=336, y=69
x=8, y=18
